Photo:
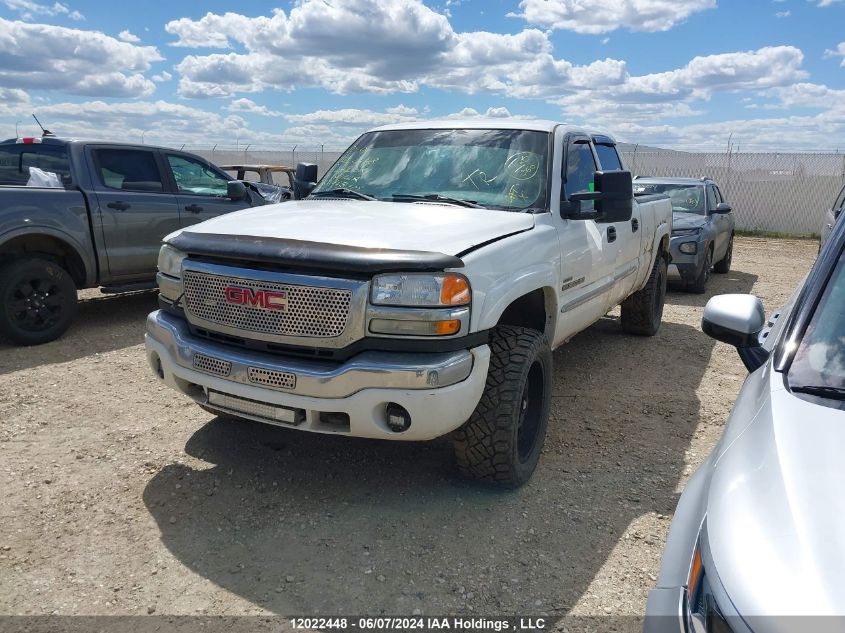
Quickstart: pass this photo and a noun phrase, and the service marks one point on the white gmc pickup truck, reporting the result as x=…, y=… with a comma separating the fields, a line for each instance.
x=417, y=290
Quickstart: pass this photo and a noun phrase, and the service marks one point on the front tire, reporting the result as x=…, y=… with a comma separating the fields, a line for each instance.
x=502, y=441
x=699, y=284
x=642, y=312
x=37, y=301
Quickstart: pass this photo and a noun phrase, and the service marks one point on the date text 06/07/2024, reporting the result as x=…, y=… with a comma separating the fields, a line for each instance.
x=420, y=623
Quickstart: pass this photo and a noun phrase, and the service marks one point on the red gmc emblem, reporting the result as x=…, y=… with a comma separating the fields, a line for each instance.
x=266, y=299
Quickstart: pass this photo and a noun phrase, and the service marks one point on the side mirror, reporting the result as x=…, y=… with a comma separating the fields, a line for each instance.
x=737, y=320
x=236, y=190
x=613, y=194
x=304, y=180
x=723, y=207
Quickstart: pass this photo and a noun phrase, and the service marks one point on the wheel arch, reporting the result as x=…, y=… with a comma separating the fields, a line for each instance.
x=57, y=248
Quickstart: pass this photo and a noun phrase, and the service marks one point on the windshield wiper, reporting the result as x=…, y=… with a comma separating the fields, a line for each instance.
x=831, y=393
x=342, y=192
x=436, y=197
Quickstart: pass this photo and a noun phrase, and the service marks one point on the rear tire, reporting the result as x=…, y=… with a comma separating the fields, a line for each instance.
x=37, y=301
x=723, y=266
x=502, y=441
x=699, y=284
x=642, y=312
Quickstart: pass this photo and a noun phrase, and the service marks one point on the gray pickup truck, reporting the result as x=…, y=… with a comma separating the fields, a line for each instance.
x=78, y=214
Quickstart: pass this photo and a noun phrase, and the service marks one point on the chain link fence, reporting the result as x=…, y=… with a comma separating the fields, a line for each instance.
x=773, y=192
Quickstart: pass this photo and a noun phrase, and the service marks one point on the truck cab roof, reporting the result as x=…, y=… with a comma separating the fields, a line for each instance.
x=538, y=125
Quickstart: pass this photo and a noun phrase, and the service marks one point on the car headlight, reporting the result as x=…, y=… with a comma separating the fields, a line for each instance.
x=414, y=290
x=680, y=232
x=703, y=613
x=689, y=248
x=170, y=261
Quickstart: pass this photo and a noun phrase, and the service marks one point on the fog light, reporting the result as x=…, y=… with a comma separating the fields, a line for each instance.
x=398, y=418
x=690, y=248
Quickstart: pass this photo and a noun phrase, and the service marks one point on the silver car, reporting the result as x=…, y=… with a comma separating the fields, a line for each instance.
x=759, y=532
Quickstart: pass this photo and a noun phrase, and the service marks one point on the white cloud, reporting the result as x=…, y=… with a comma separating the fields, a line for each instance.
x=410, y=46
x=127, y=36
x=250, y=107
x=162, y=76
x=72, y=61
x=783, y=14
x=29, y=10
x=839, y=51
x=603, y=16
x=826, y=3
x=160, y=122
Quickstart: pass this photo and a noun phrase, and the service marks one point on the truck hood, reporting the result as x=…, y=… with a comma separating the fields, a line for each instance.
x=428, y=227
x=682, y=220
x=775, y=508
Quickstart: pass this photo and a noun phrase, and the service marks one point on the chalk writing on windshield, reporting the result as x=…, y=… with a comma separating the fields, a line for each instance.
x=477, y=177
x=522, y=166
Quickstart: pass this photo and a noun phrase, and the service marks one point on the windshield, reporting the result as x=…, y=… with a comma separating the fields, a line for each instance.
x=500, y=169
x=685, y=198
x=820, y=358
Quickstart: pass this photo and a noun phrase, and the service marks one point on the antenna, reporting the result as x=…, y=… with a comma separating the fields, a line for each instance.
x=44, y=132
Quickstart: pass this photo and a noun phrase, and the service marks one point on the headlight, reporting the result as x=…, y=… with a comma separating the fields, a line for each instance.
x=689, y=248
x=421, y=290
x=703, y=613
x=170, y=261
x=679, y=232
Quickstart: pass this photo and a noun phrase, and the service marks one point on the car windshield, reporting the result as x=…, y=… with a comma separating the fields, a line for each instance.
x=499, y=169
x=820, y=357
x=685, y=198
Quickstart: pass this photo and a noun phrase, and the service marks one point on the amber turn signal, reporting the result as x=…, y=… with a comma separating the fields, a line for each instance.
x=454, y=292
x=444, y=328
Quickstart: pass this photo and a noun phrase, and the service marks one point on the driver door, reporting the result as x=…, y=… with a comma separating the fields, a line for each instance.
x=584, y=288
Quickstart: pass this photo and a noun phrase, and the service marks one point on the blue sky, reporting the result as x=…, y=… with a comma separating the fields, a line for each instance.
x=678, y=73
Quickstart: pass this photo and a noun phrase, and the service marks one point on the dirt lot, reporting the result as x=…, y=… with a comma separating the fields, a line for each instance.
x=120, y=497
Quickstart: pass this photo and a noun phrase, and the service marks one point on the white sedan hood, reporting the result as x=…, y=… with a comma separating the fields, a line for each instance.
x=441, y=228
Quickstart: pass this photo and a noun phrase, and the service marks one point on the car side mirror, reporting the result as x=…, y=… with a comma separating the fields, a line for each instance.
x=723, y=207
x=236, y=190
x=304, y=180
x=737, y=320
x=613, y=194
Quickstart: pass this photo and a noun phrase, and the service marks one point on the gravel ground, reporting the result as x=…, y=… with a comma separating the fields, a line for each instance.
x=122, y=498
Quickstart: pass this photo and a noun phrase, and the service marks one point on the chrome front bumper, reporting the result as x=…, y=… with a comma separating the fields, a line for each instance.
x=439, y=390
x=368, y=370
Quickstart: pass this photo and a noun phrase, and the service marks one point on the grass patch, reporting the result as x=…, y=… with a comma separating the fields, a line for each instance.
x=778, y=235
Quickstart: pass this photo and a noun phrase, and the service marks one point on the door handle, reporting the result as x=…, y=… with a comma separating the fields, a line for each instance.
x=611, y=234
x=193, y=208
x=635, y=225
x=118, y=206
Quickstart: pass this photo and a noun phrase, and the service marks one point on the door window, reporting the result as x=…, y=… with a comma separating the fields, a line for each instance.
x=193, y=176
x=128, y=169
x=711, y=197
x=609, y=158
x=580, y=169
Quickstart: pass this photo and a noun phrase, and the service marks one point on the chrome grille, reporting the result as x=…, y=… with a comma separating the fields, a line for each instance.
x=211, y=365
x=310, y=311
x=271, y=378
